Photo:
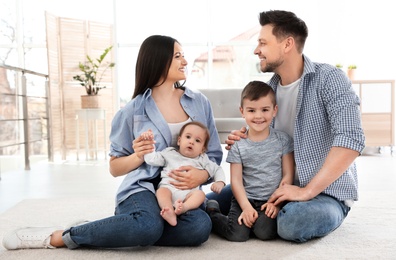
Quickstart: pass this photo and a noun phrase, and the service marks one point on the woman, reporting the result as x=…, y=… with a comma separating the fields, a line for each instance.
x=161, y=104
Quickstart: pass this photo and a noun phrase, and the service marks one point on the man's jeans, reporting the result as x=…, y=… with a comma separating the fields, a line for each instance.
x=137, y=222
x=299, y=221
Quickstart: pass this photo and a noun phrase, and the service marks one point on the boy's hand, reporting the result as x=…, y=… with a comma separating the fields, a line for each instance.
x=270, y=210
x=248, y=217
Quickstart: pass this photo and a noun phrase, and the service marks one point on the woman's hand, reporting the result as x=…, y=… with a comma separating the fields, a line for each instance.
x=270, y=210
x=188, y=177
x=143, y=144
x=235, y=135
x=120, y=166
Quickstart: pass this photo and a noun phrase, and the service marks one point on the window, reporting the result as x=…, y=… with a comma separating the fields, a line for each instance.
x=207, y=29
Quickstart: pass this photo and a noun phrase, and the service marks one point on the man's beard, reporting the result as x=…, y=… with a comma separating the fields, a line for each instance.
x=271, y=66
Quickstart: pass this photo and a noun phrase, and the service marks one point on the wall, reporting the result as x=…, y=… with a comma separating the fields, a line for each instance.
x=69, y=41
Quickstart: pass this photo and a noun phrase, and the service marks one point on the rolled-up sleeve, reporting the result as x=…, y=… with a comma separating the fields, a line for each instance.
x=342, y=105
x=121, y=135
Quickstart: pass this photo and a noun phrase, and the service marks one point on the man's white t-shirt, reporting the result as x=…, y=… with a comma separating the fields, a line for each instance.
x=286, y=98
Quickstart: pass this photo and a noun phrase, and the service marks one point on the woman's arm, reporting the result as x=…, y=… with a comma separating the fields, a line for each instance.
x=188, y=177
x=120, y=166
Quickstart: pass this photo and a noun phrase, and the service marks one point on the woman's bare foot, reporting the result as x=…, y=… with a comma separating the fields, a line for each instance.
x=179, y=207
x=169, y=215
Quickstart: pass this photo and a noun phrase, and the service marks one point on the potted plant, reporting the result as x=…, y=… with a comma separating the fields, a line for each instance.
x=351, y=71
x=339, y=65
x=91, y=76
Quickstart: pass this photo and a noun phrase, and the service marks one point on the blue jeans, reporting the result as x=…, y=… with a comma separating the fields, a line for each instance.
x=137, y=222
x=300, y=221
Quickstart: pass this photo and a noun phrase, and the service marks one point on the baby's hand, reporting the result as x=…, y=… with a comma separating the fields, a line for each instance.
x=148, y=135
x=144, y=144
x=217, y=186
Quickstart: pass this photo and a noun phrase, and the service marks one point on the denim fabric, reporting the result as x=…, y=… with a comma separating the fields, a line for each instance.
x=302, y=221
x=224, y=199
x=137, y=222
x=140, y=114
x=228, y=227
x=299, y=221
x=192, y=229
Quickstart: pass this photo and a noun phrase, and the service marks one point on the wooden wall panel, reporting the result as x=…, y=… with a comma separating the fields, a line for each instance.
x=68, y=43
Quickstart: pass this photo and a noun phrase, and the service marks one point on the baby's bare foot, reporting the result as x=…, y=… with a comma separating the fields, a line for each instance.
x=179, y=207
x=169, y=215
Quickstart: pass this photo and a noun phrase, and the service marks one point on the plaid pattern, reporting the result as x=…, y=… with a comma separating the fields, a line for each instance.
x=327, y=115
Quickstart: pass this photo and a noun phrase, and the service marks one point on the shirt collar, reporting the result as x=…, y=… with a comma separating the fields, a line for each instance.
x=188, y=92
x=147, y=93
x=309, y=67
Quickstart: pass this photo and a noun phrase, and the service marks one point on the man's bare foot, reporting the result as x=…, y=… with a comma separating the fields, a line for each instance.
x=179, y=207
x=169, y=215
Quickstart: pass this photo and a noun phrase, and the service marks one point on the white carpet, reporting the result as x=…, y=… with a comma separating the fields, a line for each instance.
x=369, y=232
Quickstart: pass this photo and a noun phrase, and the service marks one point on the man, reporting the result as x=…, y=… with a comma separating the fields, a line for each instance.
x=320, y=110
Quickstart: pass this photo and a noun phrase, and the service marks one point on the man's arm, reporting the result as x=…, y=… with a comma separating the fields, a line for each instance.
x=235, y=135
x=337, y=162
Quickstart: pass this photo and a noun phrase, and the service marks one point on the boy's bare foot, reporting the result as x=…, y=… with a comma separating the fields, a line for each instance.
x=179, y=207
x=169, y=215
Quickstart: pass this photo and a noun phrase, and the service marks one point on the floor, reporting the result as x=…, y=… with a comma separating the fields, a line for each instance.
x=56, y=180
x=377, y=171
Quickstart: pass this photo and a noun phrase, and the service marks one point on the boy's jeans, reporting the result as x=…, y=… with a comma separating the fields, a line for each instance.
x=299, y=221
x=228, y=227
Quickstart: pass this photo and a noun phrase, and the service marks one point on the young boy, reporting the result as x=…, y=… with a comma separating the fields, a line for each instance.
x=259, y=164
x=192, y=141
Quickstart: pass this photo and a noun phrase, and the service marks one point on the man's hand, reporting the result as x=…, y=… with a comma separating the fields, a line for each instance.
x=188, y=177
x=235, y=135
x=288, y=192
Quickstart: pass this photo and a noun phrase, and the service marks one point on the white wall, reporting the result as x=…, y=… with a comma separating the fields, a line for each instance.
x=340, y=31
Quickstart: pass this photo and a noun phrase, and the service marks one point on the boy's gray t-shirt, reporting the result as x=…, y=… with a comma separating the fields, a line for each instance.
x=261, y=163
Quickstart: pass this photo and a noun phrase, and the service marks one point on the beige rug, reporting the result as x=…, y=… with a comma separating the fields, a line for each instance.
x=369, y=232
